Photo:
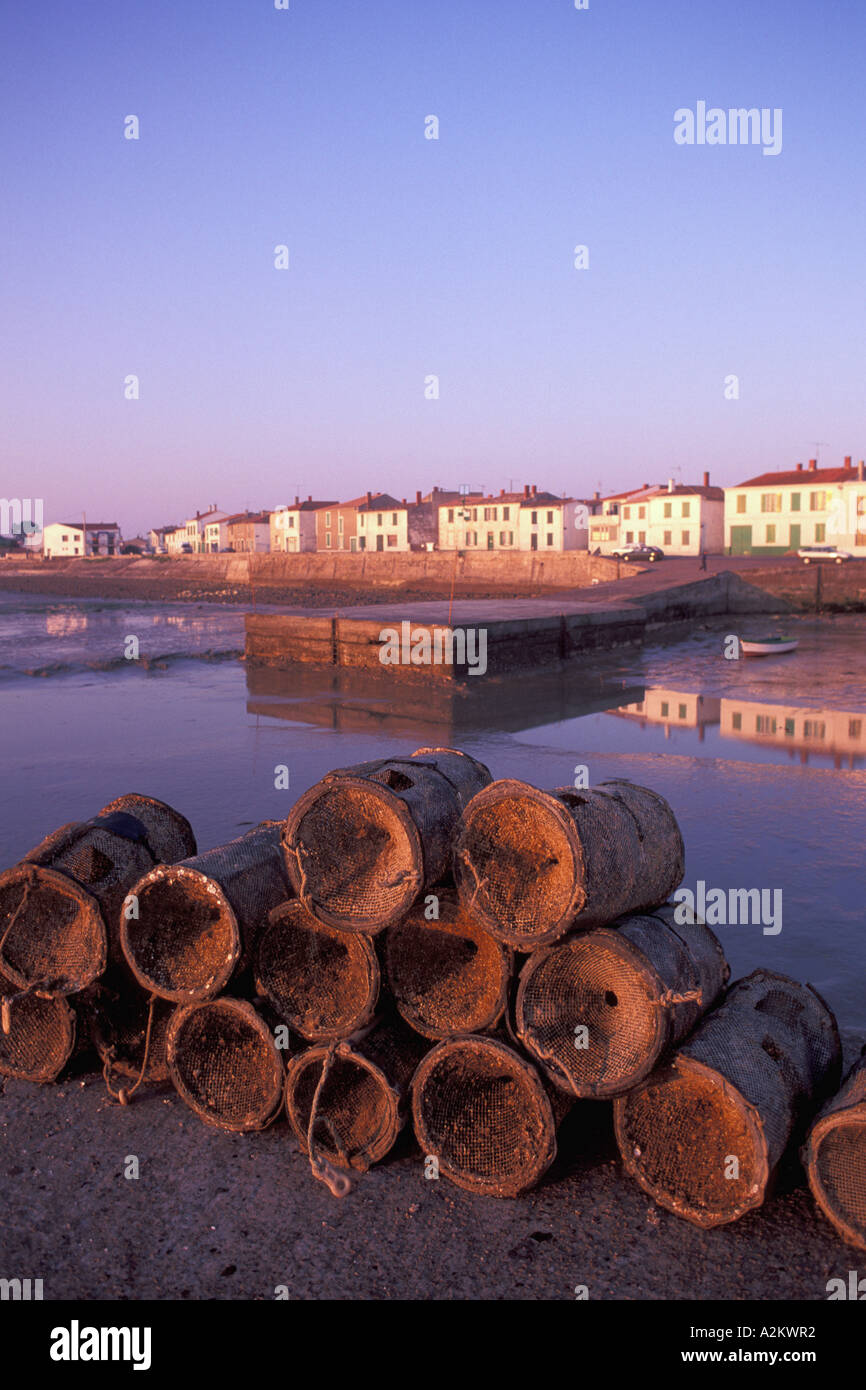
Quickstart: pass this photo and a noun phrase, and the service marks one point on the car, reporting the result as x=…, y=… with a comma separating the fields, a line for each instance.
x=638, y=552
x=808, y=553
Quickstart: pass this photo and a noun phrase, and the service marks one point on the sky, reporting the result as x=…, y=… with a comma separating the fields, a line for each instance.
x=411, y=258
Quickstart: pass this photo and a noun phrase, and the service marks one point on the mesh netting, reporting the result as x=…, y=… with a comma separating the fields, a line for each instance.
x=197, y=921
x=224, y=1064
x=37, y=1035
x=483, y=1113
x=448, y=975
x=530, y=864
x=835, y=1158
x=361, y=1102
x=60, y=907
x=322, y=982
x=597, y=1011
x=169, y=834
x=705, y=1132
x=363, y=842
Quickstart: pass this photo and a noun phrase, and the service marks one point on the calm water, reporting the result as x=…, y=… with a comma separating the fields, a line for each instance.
x=764, y=762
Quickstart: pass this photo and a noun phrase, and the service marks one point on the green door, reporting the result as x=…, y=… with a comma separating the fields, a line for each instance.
x=795, y=536
x=741, y=540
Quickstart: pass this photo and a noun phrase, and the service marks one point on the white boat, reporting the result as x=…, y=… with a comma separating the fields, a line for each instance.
x=768, y=646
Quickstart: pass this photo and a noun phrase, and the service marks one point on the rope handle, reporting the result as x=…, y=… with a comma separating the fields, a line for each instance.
x=480, y=883
x=337, y=1183
x=124, y=1093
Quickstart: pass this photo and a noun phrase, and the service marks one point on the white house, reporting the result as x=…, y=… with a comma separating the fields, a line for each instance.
x=293, y=527
x=65, y=538
x=681, y=519
x=195, y=527
x=527, y=520
x=606, y=525
x=778, y=512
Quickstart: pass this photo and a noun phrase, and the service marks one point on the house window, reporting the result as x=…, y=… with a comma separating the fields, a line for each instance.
x=534, y=519
x=765, y=724
x=820, y=531
x=340, y=523
x=550, y=538
x=685, y=540
x=771, y=502
x=488, y=513
x=327, y=518
x=393, y=518
x=795, y=501
x=771, y=535
x=378, y=518
x=550, y=518
x=669, y=510
x=629, y=537
x=855, y=728
x=327, y=540
x=64, y=538
x=475, y=514
x=626, y=511
x=741, y=502
x=664, y=709
x=817, y=501
x=682, y=711
x=687, y=509
x=392, y=540
x=813, y=728
x=506, y=513
x=450, y=515
x=641, y=513
x=736, y=721
x=790, y=729
x=502, y=540
x=667, y=539
x=361, y=519
x=510, y=537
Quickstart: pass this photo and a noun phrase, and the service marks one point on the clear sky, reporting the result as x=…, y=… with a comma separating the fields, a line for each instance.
x=411, y=257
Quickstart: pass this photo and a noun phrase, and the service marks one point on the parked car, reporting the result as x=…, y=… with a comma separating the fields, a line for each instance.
x=638, y=552
x=808, y=553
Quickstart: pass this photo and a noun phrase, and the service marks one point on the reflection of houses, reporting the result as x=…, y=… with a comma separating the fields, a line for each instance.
x=827, y=731
x=673, y=708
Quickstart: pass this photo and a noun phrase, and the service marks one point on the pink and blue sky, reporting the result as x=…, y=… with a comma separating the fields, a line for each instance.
x=410, y=257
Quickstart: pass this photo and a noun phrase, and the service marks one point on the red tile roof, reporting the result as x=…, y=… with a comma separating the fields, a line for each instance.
x=802, y=475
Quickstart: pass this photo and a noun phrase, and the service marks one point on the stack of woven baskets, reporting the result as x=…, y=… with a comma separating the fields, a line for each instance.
x=418, y=939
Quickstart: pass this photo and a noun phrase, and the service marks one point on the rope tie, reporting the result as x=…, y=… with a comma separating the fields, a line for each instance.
x=123, y=1093
x=479, y=882
x=321, y=1169
x=303, y=890
x=670, y=998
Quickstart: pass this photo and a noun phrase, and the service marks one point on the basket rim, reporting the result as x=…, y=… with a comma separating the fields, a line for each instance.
x=397, y=807
x=748, y=1112
x=227, y=1004
x=89, y=905
x=217, y=982
x=413, y=1016
x=633, y=956
x=385, y=1139
x=820, y=1131
x=355, y=942
x=512, y=788
x=68, y=1021
x=493, y=1186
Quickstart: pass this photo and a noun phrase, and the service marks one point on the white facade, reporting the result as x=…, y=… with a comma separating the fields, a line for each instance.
x=780, y=512
x=386, y=529
x=216, y=537
x=195, y=527
x=513, y=521
x=293, y=529
x=679, y=521
x=61, y=539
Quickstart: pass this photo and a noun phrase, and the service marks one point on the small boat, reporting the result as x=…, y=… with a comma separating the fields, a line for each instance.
x=768, y=646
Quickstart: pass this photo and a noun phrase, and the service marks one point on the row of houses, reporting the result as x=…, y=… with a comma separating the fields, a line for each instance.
x=772, y=514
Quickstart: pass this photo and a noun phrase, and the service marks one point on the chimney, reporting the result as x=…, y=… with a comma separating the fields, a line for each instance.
x=534, y=489
x=526, y=491
x=799, y=467
x=670, y=484
x=310, y=498
x=596, y=496
x=860, y=471
x=502, y=492
x=418, y=499
x=297, y=499
x=813, y=464
x=847, y=463
x=369, y=498
x=706, y=479
x=403, y=501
